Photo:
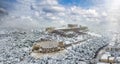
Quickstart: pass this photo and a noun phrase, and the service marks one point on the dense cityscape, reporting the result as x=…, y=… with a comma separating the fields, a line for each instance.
x=59, y=32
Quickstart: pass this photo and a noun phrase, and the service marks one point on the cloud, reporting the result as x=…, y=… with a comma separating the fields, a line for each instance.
x=113, y=11
x=48, y=2
x=3, y=11
x=53, y=9
x=40, y=13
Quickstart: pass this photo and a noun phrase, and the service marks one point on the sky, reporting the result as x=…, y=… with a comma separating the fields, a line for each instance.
x=31, y=14
x=82, y=3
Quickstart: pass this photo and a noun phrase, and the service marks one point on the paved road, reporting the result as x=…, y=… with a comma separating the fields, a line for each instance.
x=100, y=52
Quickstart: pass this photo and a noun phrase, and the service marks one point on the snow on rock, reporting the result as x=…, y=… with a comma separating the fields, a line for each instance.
x=94, y=34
